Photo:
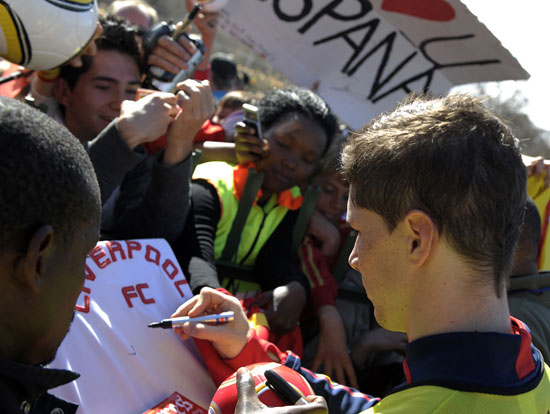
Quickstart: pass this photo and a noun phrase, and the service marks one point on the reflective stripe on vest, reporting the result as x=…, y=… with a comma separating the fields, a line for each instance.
x=261, y=221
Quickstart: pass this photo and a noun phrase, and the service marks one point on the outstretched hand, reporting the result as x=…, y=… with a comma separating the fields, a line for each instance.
x=249, y=403
x=332, y=352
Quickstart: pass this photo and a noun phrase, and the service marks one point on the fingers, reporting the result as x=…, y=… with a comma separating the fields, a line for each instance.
x=170, y=55
x=249, y=146
x=253, y=149
x=316, y=405
x=350, y=373
x=245, y=130
x=207, y=301
x=316, y=364
x=246, y=391
x=196, y=98
x=201, y=92
x=164, y=102
x=248, y=401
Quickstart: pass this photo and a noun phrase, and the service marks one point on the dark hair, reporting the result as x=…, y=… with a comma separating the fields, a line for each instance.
x=46, y=174
x=528, y=243
x=224, y=72
x=453, y=159
x=235, y=99
x=118, y=35
x=281, y=102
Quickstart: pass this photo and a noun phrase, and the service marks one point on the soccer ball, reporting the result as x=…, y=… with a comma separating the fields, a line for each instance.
x=225, y=398
x=44, y=34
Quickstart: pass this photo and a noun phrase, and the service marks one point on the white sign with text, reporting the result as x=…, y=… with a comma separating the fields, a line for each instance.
x=368, y=54
x=125, y=366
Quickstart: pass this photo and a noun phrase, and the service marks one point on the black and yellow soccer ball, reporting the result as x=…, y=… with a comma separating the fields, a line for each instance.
x=44, y=34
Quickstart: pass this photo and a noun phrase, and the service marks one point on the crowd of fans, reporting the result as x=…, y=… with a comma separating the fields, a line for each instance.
x=175, y=166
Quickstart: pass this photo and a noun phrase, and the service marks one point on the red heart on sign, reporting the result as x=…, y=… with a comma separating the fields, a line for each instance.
x=436, y=10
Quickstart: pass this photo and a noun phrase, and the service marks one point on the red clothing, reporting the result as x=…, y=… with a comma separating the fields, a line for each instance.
x=202, y=74
x=256, y=350
x=210, y=131
x=313, y=264
x=291, y=341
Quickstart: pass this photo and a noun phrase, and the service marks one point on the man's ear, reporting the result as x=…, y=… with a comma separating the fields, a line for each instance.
x=422, y=234
x=32, y=263
x=62, y=92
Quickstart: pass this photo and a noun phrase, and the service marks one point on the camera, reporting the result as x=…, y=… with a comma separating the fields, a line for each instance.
x=164, y=80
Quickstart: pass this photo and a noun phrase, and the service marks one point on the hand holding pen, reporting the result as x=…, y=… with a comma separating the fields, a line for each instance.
x=228, y=338
x=216, y=318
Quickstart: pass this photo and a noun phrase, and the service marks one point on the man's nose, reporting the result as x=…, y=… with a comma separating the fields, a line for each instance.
x=353, y=259
x=116, y=100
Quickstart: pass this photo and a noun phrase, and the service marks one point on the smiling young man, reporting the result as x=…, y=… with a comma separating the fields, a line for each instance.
x=437, y=196
x=49, y=220
x=142, y=195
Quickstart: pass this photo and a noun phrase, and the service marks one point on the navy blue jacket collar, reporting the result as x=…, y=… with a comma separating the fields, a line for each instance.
x=475, y=361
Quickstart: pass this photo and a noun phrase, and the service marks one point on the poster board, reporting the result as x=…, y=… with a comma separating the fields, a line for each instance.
x=125, y=366
x=367, y=55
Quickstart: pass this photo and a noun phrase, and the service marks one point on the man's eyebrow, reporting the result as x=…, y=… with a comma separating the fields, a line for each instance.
x=113, y=80
x=104, y=79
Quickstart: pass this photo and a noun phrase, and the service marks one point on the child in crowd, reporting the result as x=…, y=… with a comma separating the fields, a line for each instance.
x=335, y=346
x=316, y=256
x=221, y=127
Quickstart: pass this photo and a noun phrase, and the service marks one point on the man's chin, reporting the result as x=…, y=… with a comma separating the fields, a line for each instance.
x=51, y=357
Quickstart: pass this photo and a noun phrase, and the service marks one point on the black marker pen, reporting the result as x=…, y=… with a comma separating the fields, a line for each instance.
x=218, y=318
x=283, y=389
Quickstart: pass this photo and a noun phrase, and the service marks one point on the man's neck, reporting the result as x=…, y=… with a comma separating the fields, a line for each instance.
x=447, y=302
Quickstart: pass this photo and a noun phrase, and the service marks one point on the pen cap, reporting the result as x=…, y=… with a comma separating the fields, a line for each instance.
x=225, y=398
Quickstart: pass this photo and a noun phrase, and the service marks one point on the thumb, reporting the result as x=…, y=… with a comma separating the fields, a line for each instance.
x=246, y=390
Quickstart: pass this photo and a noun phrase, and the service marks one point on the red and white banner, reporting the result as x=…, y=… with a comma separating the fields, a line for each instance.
x=368, y=54
x=125, y=366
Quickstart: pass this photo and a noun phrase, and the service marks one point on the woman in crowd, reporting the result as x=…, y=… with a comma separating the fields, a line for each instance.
x=297, y=128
